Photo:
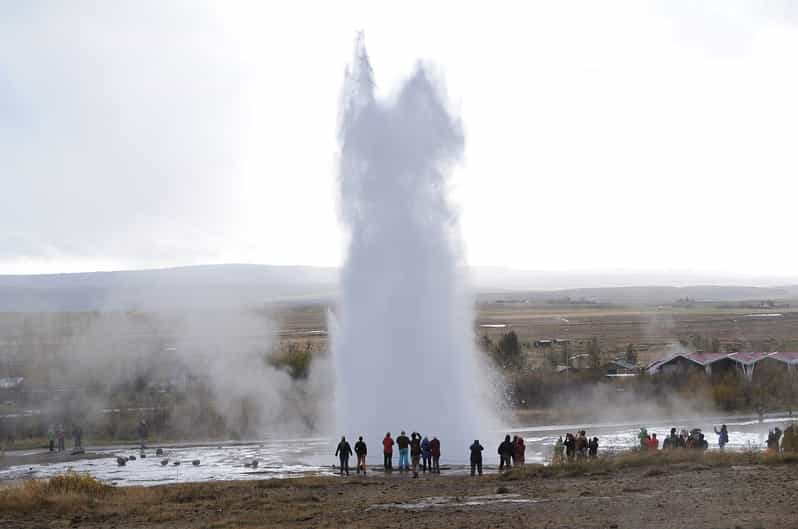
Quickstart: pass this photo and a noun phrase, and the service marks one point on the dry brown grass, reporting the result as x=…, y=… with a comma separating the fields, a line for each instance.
x=71, y=488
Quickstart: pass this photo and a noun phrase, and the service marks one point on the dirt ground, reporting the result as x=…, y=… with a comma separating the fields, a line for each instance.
x=667, y=496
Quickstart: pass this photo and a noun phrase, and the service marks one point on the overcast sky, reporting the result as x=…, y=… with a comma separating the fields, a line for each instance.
x=622, y=135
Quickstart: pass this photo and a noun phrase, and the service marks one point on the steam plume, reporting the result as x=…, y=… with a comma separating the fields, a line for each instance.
x=403, y=351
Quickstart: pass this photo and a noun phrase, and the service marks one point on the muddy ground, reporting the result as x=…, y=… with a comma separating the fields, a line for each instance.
x=671, y=496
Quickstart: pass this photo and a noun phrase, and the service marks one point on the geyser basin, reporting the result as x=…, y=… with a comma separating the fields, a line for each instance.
x=404, y=354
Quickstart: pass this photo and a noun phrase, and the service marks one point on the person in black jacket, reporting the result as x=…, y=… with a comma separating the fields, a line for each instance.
x=403, y=442
x=592, y=448
x=570, y=447
x=506, y=451
x=343, y=452
x=476, y=457
x=415, y=451
x=360, y=451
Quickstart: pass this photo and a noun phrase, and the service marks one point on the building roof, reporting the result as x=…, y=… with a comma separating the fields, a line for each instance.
x=744, y=358
x=623, y=364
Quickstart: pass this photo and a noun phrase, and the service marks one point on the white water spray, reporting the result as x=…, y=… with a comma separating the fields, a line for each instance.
x=404, y=351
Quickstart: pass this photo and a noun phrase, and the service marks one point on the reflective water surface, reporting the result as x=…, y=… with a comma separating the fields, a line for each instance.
x=315, y=456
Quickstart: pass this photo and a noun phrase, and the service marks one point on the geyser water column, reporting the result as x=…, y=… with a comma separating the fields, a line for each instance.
x=403, y=345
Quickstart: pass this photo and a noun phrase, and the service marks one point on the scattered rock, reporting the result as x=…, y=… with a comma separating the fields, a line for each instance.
x=131, y=458
x=121, y=461
x=164, y=462
x=195, y=462
x=502, y=490
x=159, y=451
x=176, y=463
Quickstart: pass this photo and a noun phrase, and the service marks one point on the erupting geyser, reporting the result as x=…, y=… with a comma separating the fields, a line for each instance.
x=403, y=344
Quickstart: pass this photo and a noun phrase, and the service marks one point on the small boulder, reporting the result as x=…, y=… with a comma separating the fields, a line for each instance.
x=131, y=458
x=159, y=451
x=195, y=462
x=176, y=463
x=121, y=461
x=164, y=462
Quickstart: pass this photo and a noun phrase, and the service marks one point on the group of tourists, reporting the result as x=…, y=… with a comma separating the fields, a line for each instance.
x=575, y=447
x=420, y=452
x=774, y=436
x=684, y=439
x=512, y=452
x=414, y=452
x=56, y=437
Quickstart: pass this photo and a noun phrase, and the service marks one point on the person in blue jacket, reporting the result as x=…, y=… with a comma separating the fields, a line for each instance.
x=723, y=436
x=426, y=455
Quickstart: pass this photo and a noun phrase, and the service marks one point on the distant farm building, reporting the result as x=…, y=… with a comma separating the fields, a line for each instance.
x=621, y=368
x=719, y=363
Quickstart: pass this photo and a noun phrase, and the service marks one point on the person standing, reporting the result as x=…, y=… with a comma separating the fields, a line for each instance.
x=77, y=434
x=60, y=436
x=592, y=448
x=505, y=453
x=143, y=433
x=512, y=456
x=570, y=447
x=415, y=451
x=387, y=452
x=643, y=437
x=559, y=448
x=520, y=450
x=723, y=436
x=476, y=457
x=426, y=455
x=343, y=452
x=580, y=445
x=653, y=442
x=435, y=452
x=51, y=437
x=403, y=443
x=361, y=450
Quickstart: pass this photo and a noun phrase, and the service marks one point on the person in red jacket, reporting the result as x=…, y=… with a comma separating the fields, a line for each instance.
x=435, y=450
x=520, y=450
x=387, y=452
x=653, y=443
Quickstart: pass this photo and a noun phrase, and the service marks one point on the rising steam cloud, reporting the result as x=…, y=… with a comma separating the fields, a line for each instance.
x=221, y=359
x=402, y=346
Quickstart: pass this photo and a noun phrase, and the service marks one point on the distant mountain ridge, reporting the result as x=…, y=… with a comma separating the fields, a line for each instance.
x=202, y=285
x=248, y=284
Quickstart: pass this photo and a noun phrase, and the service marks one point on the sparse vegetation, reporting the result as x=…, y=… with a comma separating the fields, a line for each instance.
x=661, y=460
x=69, y=488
